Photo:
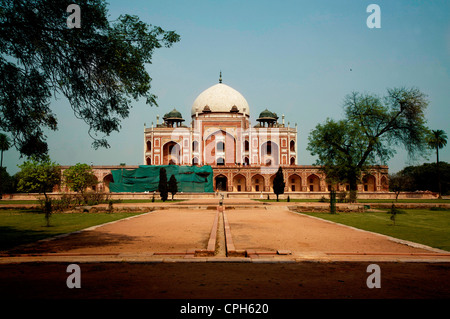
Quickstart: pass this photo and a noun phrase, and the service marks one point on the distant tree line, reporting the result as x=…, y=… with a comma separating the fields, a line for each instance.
x=421, y=178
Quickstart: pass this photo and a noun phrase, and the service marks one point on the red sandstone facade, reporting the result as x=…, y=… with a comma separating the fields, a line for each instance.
x=244, y=158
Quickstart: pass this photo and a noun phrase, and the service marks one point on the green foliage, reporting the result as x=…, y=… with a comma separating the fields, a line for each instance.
x=5, y=144
x=172, y=186
x=7, y=182
x=394, y=211
x=69, y=201
x=423, y=177
x=437, y=140
x=399, y=182
x=369, y=133
x=79, y=177
x=278, y=183
x=162, y=186
x=100, y=68
x=38, y=176
x=342, y=197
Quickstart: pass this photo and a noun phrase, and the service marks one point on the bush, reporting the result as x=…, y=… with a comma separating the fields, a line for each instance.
x=94, y=198
x=342, y=197
x=437, y=208
x=69, y=201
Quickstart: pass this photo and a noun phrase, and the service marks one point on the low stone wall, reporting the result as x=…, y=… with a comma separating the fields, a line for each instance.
x=263, y=195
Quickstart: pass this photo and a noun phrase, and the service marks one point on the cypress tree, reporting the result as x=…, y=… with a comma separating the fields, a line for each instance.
x=162, y=186
x=173, y=187
x=278, y=183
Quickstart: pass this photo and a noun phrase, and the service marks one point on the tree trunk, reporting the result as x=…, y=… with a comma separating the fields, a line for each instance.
x=438, y=173
x=47, y=209
x=353, y=189
x=1, y=183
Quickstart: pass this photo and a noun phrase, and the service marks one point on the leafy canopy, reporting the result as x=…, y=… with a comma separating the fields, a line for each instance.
x=79, y=177
x=38, y=176
x=99, y=68
x=371, y=130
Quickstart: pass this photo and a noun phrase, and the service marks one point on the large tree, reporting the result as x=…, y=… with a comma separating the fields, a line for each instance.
x=5, y=144
x=372, y=128
x=79, y=177
x=437, y=140
x=423, y=177
x=39, y=176
x=99, y=68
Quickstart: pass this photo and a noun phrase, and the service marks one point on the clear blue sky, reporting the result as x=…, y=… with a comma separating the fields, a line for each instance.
x=297, y=58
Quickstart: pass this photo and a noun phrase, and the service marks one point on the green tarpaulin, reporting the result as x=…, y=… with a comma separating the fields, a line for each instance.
x=145, y=178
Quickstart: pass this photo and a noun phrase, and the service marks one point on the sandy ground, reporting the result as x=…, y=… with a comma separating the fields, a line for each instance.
x=282, y=229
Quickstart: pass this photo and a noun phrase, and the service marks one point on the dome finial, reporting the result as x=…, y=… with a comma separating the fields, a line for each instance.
x=220, y=77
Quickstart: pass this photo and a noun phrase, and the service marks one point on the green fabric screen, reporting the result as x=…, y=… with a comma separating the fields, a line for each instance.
x=145, y=178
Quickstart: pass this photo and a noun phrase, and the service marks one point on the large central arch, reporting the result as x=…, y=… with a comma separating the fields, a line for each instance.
x=270, y=154
x=171, y=153
x=220, y=145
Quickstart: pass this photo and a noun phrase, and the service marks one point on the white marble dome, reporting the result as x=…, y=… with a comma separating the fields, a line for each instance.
x=220, y=98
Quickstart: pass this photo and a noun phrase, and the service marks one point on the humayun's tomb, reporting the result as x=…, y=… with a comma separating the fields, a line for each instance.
x=244, y=159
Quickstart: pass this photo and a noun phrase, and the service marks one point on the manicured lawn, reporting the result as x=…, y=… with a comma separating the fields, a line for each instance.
x=24, y=226
x=431, y=228
x=431, y=201
x=20, y=202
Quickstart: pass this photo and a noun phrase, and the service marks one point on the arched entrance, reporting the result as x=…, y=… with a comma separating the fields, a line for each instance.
x=221, y=183
x=313, y=183
x=369, y=183
x=239, y=183
x=257, y=183
x=294, y=183
x=270, y=153
x=106, y=180
x=171, y=153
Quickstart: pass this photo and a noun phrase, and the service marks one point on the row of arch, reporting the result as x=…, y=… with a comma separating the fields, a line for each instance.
x=269, y=153
x=293, y=183
x=259, y=183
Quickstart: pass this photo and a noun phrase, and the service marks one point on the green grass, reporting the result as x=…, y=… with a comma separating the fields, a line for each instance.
x=430, y=201
x=431, y=228
x=35, y=202
x=18, y=202
x=24, y=226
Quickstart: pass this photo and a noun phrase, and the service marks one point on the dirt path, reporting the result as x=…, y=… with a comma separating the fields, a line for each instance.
x=284, y=230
